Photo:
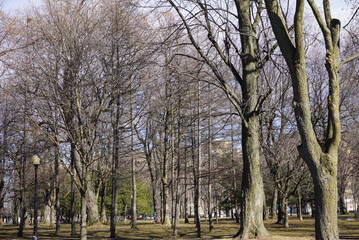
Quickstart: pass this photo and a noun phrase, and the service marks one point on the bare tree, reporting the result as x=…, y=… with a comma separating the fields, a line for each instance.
x=215, y=31
x=320, y=156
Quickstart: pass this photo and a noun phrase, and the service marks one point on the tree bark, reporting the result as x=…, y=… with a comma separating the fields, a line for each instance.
x=103, y=215
x=92, y=205
x=115, y=169
x=83, y=223
x=248, y=108
x=252, y=193
x=210, y=221
x=321, y=158
x=166, y=142
x=252, y=184
x=133, y=164
x=57, y=191
x=197, y=168
x=299, y=206
x=186, y=219
x=72, y=194
x=274, y=204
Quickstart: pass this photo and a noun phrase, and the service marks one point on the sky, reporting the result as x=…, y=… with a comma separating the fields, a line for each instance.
x=11, y=5
x=339, y=8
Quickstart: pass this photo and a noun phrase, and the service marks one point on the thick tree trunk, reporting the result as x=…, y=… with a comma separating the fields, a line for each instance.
x=273, y=213
x=103, y=215
x=83, y=223
x=252, y=184
x=48, y=212
x=252, y=193
x=281, y=211
x=165, y=198
x=286, y=218
x=321, y=158
x=325, y=192
x=92, y=205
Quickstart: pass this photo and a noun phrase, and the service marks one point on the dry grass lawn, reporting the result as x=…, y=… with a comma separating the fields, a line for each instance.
x=299, y=230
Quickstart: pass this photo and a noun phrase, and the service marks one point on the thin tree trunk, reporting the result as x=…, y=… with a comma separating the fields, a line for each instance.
x=235, y=195
x=115, y=170
x=57, y=190
x=186, y=220
x=197, y=169
x=72, y=194
x=178, y=173
x=299, y=207
x=274, y=204
x=22, y=208
x=210, y=222
x=165, y=187
x=133, y=168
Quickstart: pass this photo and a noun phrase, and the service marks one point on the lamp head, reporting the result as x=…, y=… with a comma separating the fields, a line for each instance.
x=35, y=160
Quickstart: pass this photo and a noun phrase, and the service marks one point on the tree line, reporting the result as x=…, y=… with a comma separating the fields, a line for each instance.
x=179, y=109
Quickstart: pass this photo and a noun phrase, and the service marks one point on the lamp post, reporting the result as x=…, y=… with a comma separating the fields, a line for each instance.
x=36, y=163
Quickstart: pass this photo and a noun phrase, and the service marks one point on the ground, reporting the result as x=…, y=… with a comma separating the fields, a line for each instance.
x=224, y=229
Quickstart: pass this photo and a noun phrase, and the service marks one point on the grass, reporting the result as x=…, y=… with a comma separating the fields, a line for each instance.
x=299, y=230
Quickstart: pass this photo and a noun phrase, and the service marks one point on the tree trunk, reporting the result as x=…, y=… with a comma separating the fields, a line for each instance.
x=72, y=194
x=252, y=184
x=133, y=165
x=22, y=208
x=178, y=173
x=103, y=204
x=252, y=194
x=115, y=169
x=57, y=191
x=299, y=207
x=165, y=186
x=286, y=218
x=83, y=228
x=281, y=211
x=325, y=192
x=273, y=213
x=197, y=168
x=342, y=207
x=92, y=205
x=321, y=158
x=186, y=220
x=235, y=190
x=210, y=221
